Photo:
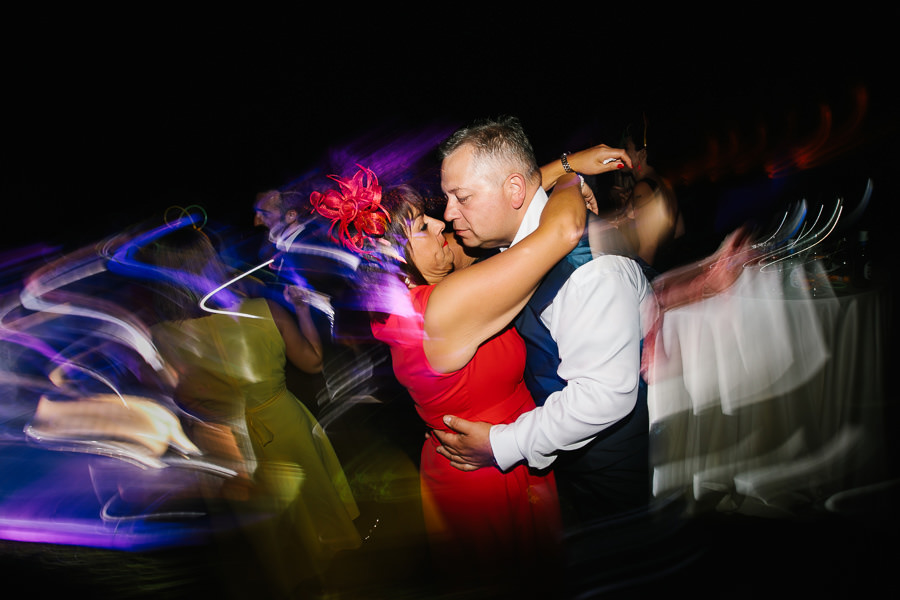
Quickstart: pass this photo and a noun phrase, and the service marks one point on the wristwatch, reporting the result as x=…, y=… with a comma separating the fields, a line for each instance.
x=565, y=163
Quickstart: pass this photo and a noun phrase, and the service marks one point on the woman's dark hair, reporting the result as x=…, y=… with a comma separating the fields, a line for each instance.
x=403, y=204
x=378, y=282
x=189, y=268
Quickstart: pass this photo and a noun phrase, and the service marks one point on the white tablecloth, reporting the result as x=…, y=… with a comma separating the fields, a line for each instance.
x=766, y=398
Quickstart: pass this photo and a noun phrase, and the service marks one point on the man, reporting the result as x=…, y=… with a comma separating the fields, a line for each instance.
x=305, y=254
x=280, y=217
x=279, y=213
x=582, y=330
x=268, y=209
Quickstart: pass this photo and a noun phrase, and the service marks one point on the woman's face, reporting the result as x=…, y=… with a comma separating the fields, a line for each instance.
x=428, y=248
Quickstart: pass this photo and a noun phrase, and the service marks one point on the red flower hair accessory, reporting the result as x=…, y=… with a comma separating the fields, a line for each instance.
x=354, y=209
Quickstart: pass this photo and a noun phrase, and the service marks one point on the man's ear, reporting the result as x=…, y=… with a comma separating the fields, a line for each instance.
x=514, y=187
x=290, y=215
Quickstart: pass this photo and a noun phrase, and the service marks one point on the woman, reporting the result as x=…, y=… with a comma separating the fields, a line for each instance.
x=656, y=220
x=651, y=205
x=230, y=355
x=501, y=521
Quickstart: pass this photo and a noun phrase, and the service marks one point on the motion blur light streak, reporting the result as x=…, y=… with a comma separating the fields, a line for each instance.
x=42, y=294
x=735, y=153
x=826, y=145
x=764, y=391
x=806, y=241
x=63, y=334
x=206, y=298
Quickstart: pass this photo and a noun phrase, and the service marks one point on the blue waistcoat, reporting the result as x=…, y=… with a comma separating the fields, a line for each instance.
x=542, y=359
x=624, y=443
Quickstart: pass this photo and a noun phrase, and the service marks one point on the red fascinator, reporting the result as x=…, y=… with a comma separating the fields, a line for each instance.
x=354, y=209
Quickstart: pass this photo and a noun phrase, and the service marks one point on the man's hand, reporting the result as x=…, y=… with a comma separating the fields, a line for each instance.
x=470, y=447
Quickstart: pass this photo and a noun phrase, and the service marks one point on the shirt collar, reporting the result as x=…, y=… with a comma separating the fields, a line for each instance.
x=286, y=236
x=532, y=217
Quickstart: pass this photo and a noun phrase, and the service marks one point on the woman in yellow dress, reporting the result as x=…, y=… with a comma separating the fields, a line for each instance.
x=229, y=354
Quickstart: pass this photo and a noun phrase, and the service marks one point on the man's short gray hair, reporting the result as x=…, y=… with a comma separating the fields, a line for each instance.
x=496, y=142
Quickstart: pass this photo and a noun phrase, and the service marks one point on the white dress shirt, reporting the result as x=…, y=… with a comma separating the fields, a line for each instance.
x=285, y=237
x=596, y=320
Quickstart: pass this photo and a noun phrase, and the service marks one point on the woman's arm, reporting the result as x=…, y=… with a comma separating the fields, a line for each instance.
x=587, y=162
x=475, y=303
x=301, y=339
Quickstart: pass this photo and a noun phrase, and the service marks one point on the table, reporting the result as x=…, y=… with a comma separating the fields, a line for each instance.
x=769, y=398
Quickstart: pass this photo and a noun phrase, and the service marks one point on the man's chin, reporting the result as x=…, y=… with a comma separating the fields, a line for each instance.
x=465, y=238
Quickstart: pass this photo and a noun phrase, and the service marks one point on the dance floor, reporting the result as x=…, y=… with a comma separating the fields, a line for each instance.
x=823, y=555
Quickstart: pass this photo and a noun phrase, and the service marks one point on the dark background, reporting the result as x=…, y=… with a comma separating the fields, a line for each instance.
x=109, y=118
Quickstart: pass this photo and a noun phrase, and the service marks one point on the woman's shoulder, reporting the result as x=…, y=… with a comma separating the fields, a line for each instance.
x=419, y=296
x=405, y=323
x=257, y=305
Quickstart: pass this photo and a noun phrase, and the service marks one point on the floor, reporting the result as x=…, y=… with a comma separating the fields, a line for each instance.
x=711, y=556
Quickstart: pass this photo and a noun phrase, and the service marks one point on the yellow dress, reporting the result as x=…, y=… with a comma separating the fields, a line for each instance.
x=231, y=369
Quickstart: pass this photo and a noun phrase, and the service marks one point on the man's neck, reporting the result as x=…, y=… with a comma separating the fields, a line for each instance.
x=530, y=213
x=283, y=237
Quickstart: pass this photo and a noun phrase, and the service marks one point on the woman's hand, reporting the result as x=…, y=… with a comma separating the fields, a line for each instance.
x=599, y=159
x=296, y=295
x=593, y=161
x=590, y=201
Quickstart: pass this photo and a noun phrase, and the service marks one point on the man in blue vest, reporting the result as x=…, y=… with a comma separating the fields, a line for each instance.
x=582, y=328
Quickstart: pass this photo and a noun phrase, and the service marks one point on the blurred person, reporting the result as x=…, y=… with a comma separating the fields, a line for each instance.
x=268, y=216
x=280, y=213
x=655, y=220
x=300, y=258
x=273, y=211
x=650, y=221
x=582, y=328
x=301, y=251
x=230, y=363
x=267, y=210
x=285, y=217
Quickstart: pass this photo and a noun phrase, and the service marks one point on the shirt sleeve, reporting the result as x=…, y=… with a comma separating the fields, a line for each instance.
x=595, y=320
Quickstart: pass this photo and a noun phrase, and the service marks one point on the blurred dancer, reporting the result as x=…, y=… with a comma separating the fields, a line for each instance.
x=654, y=223
x=230, y=361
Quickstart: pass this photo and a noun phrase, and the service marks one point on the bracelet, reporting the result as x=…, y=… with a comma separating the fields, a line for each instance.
x=565, y=163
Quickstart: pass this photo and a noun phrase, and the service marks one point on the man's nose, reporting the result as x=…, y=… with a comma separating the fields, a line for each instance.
x=451, y=211
x=257, y=220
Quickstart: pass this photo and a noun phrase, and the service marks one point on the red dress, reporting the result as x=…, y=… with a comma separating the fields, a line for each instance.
x=495, y=515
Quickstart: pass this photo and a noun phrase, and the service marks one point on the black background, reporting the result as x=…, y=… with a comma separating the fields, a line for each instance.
x=111, y=118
